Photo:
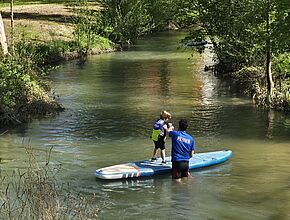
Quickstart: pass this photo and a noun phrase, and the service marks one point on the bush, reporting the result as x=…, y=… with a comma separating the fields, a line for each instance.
x=21, y=94
x=36, y=56
x=281, y=66
x=248, y=78
x=34, y=192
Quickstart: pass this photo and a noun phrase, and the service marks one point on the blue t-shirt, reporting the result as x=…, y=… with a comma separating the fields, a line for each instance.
x=182, y=145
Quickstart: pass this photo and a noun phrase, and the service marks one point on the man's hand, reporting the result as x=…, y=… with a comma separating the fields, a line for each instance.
x=170, y=127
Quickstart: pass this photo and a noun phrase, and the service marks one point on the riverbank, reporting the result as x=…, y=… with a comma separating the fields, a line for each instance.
x=41, y=22
x=43, y=36
x=254, y=52
x=251, y=81
x=50, y=24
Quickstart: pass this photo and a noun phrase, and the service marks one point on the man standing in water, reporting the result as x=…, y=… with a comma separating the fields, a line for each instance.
x=182, y=150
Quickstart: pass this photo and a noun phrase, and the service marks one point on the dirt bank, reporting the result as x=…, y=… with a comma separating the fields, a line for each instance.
x=44, y=22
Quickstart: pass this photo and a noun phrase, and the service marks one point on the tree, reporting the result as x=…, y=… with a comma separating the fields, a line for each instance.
x=3, y=37
x=88, y=27
x=125, y=20
x=246, y=32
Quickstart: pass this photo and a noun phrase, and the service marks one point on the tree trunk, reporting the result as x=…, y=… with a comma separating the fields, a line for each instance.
x=12, y=28
x=3, y=42
x=270, y=82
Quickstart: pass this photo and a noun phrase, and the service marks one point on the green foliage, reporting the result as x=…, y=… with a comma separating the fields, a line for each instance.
x=35, y=56
x=238, y=30
x=21, y=92
x=133, y=22
x=17, y=87
x=184, y=12
x=285, y=89
x=227, y=25
x=248, y=33
x=248, y=79
x=124, y=20
x=11, y=85
x=26, y=53
x=53, y=52
x=160, y=13
x=281, y=65
x=102, y=43
x=89, y=26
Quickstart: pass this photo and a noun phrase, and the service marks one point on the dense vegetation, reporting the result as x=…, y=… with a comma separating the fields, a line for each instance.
x=23, y=92
x=251, y=42
x=34, y=192
x=250, y=39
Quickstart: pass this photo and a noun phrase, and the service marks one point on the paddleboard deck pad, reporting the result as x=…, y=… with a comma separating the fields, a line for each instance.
x=150, y=168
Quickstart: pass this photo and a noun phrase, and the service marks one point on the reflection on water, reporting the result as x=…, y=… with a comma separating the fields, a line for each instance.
x=111, y=103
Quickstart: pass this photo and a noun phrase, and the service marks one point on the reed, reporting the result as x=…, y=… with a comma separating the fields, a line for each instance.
x=34, y=192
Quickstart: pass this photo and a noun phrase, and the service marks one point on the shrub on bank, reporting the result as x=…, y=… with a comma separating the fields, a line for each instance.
x=252, y=81
x=22, y=92
x=36, y=192
x=21, y=95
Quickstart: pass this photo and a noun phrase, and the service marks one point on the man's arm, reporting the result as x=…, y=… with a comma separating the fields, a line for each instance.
x=170, y=128
x=191, y=153
x=192, y=149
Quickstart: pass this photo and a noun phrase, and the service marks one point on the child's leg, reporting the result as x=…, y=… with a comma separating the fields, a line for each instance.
x=154, y=153
x=163, y=154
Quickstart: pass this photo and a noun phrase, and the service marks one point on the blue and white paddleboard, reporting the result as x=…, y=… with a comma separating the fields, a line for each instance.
x=149, y=168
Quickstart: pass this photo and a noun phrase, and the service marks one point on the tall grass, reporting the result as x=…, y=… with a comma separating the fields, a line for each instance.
x=34, y=192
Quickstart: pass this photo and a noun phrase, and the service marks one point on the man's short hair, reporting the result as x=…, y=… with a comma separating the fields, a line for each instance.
x=183, y=124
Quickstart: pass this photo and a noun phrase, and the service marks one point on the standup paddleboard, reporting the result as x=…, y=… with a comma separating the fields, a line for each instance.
x=150, y=168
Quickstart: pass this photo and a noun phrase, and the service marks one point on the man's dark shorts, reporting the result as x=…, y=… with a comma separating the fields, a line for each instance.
x=180, y=169
x=160, y=143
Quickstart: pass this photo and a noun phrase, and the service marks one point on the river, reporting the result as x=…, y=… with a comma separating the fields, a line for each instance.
x=111, y=103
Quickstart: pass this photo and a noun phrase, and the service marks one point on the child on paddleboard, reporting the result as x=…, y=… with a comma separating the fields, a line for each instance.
x=159, y=134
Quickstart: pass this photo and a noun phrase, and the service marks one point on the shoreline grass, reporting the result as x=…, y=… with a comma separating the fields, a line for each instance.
x=35, y=191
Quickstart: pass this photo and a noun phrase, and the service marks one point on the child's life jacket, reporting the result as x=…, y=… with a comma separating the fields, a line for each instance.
x=159, y=129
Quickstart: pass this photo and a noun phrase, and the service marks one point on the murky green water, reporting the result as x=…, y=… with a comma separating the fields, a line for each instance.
x=111, y=103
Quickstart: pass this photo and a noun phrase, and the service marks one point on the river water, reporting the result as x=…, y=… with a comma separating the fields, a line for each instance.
x=111, y=103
